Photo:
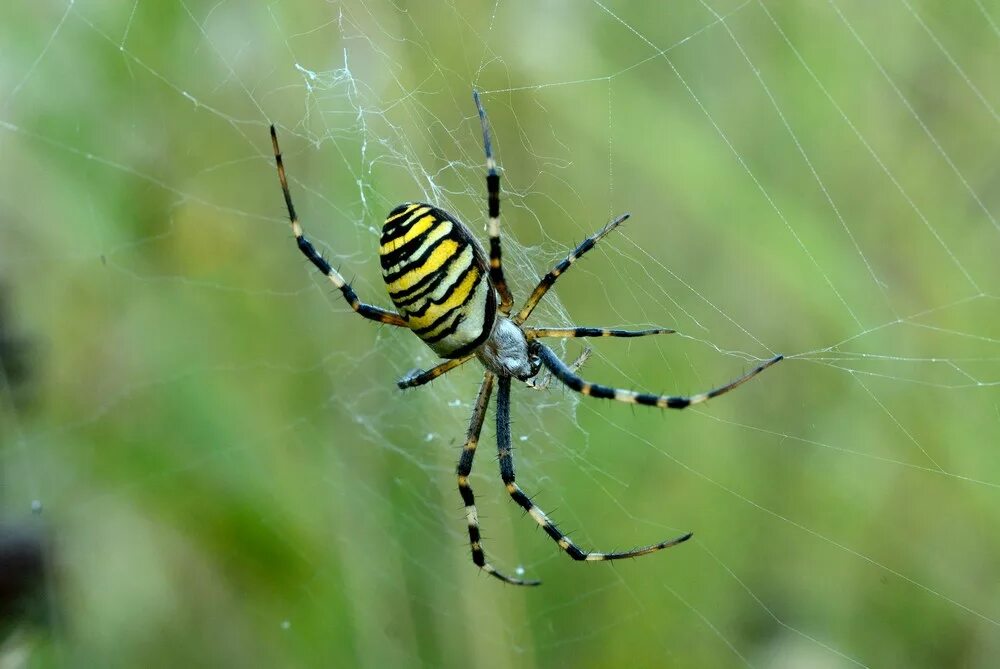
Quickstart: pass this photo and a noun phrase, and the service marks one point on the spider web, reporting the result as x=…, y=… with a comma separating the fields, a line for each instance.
x=212, y=445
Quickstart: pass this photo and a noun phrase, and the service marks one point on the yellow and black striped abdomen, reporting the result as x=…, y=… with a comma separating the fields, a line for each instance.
x=437, y=276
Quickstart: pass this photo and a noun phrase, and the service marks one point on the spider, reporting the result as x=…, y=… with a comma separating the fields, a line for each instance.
x=455, y=298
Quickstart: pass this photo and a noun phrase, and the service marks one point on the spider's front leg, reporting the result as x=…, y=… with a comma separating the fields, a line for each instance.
x=464, y=469
x=505, y=452
x=550, y=277
x=542, y=383
x=574, y=382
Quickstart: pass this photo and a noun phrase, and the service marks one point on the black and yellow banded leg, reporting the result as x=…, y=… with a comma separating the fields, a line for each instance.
x=305, y=246
x=419, y=377
x=550, y=278
x=567, y=333
x=574, y=382
x=577, y=332
x=493, y=207
x=464, y=469
x=522, y=499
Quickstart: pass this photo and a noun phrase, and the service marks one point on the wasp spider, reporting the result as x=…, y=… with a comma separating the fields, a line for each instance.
x=451, y=295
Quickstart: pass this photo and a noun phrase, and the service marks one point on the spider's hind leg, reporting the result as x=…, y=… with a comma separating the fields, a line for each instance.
x=368, y=311
x=419, y=377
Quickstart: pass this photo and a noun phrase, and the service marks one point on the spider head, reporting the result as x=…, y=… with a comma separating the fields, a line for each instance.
x=534, y=362
x=506, y=352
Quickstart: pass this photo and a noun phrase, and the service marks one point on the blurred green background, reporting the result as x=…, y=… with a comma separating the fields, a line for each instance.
x=213, y=446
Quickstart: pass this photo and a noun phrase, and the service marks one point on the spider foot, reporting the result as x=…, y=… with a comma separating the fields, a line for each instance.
x=491, y=570
x=634, y=553
x=408, y=379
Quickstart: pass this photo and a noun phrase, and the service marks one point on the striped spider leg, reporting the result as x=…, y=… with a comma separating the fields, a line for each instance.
x=542, y=383
x=419, y=377
x=367, y=310
x=563, y=372
x=493, y=210
x=505, y=453
x=465, y=468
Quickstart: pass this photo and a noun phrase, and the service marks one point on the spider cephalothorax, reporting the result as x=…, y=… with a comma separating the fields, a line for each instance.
x=506, y=352
x=455, y=298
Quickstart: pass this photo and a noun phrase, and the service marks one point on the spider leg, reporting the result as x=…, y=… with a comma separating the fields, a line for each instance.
x=367, y=310
x=522, y=500
x=576, y=332
x=550, y=278
x=493, y=204
x=419, y=377
x=464, y=469
x=574, y=382
x=543, y=384
x=533, y=333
